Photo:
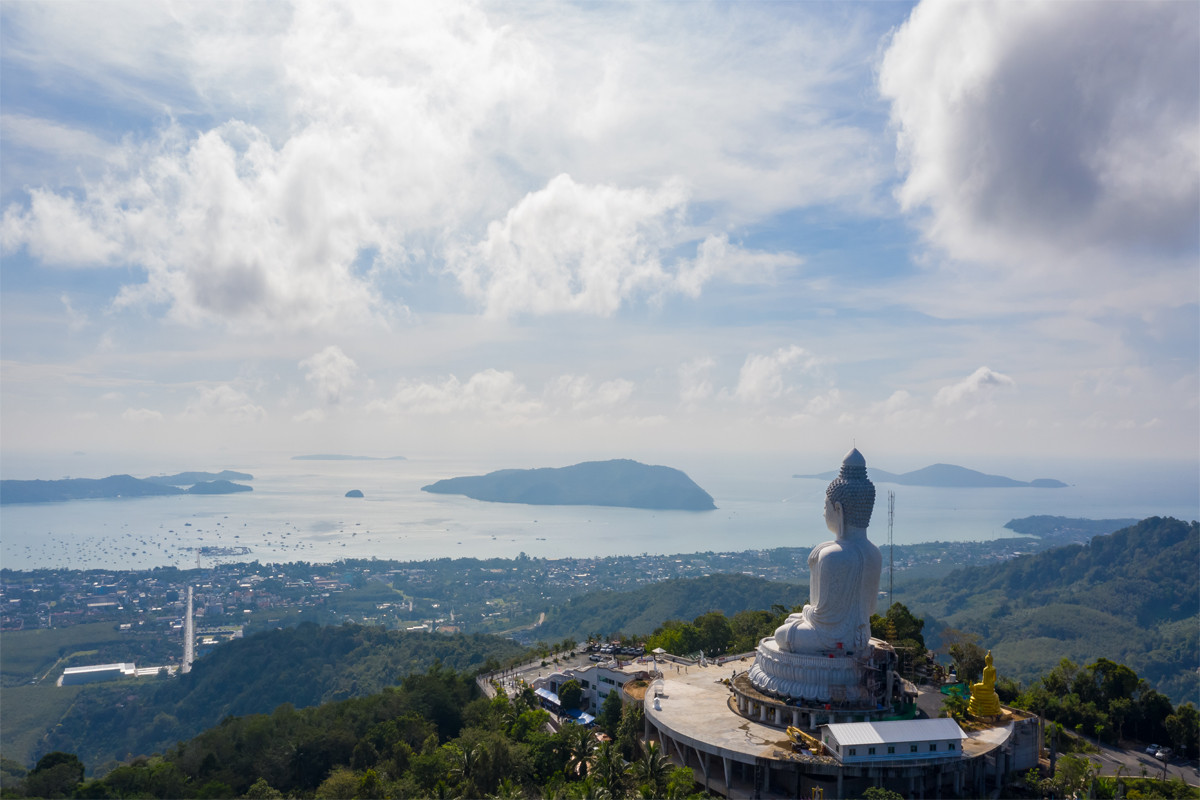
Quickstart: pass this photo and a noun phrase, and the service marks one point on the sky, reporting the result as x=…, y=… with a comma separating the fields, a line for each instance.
x=948, y=231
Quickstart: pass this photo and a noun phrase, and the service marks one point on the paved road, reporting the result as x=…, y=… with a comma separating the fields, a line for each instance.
x=1110, y=759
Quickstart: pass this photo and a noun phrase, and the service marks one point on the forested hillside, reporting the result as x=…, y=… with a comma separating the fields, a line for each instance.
x=302, y=666
x=432, y=736
x=642, y=610
x=1130, y=597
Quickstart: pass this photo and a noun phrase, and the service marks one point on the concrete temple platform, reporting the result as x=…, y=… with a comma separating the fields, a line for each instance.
x=693, y=715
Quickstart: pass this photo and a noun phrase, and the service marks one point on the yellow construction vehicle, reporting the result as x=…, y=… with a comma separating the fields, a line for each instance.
x=804, y=741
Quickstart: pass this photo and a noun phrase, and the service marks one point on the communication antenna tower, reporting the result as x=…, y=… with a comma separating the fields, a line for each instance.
x=891, y=546
x=189, y=637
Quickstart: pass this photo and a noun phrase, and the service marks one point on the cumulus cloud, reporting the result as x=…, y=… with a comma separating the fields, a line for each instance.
x=224, y=402
x=1042, y=136
x=716, y=257
x=141, y=415
x=330, y=372
x=347, y=143
x=589, y=248
x=573, y=247
x=490, y=392
x=583, y=394
x=762, y=377
x=978, y=387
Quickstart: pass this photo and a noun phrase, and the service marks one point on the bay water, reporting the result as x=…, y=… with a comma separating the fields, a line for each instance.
x=298, y=512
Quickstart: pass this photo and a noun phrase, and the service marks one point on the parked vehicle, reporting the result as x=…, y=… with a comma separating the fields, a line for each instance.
x=1152, y=750
x=1164, y=754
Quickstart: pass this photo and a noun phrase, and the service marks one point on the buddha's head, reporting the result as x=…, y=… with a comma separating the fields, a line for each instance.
x=853, y=491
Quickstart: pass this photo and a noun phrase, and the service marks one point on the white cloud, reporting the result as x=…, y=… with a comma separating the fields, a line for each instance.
x=1051, y=137
x=224, y=402
x=715, y=256
x=57, y=230
x=573, y=247
x=762, y=376
x=823, y=403
x=489, y=392
x=694, y=383
x=76, y=320
x=311, y=415
x=977, y=388
x=141, y=415
x=341, y=144
x=56, y=138
x=331, y=373
x=583, y=394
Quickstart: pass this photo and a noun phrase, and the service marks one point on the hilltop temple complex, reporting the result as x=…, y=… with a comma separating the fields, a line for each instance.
x=821, y=709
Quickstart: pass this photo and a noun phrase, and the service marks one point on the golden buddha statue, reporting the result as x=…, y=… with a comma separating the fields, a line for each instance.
x=984, y=701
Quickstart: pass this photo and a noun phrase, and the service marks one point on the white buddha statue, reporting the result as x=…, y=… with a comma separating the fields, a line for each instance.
x=844, y=582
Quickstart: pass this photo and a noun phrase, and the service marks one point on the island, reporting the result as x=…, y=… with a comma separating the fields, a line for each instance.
x=112, y=487
x=37, y=491
x=354, y=493
x=340, y=457
x=621, y=482
x=191, y=478
x=219, y=487
x=948, y=476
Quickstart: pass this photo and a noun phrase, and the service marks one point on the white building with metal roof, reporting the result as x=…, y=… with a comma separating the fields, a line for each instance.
x=96, y=672
x=894, y=740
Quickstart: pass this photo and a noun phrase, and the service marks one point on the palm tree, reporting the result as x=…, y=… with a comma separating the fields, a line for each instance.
x=652, y=770
x=507, y=790
x=464, y=763
x=609, y=771
x=580, y=746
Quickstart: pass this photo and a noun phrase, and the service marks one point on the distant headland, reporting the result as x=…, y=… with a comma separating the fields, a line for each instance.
x=948, y=476
x=621, y=482
x=340, y=457
x=191, y=478
x=117, y=486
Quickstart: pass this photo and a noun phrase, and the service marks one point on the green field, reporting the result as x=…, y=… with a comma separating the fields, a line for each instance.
x=27, y=655
x=29, y=711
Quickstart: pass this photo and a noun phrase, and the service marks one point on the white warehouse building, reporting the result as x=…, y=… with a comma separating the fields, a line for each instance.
x=894, y=740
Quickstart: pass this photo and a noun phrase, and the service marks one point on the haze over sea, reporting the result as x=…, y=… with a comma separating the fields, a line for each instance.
x=298, y=511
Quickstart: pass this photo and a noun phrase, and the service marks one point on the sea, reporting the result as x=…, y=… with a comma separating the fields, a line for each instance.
x=298, y=511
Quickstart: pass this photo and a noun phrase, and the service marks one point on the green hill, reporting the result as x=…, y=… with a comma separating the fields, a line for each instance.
x=1130, y=597
x=304, y=666
x=642, y=610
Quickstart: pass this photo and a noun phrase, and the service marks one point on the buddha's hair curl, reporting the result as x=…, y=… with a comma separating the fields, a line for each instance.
x=854, y=490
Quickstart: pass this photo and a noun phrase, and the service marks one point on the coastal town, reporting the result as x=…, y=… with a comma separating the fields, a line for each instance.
x=502, y=596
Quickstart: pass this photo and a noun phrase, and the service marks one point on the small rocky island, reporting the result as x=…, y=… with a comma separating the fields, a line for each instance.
x=354, y=493
x=621, y=482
